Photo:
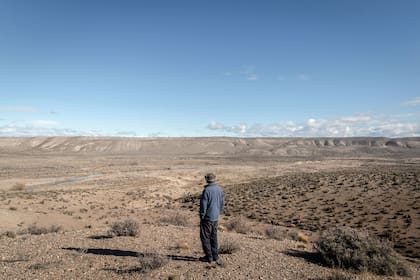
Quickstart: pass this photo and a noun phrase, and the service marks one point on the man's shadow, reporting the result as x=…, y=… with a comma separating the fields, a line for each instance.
x=123, y=253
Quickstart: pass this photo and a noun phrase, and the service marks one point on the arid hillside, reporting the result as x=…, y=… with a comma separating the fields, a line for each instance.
x=215, y=146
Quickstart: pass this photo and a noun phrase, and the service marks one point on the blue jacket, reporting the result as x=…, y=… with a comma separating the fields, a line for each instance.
x=211, y=202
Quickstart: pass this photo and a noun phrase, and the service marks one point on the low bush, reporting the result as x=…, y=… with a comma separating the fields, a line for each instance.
x=152, y=261
x=238, y=225
x=228, y=247
x=176, y=219
x=36, y=230
x=351, y=249
x=274, y=232
x=124, y=228
x=10, y=234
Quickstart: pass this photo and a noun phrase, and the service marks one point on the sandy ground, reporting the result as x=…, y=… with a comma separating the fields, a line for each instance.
x=85, y=192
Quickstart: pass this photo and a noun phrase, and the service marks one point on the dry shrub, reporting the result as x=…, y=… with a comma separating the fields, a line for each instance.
x=238, y=225
x=336, y=275
x=10, y=234
x=176, y=219
x=228, y=247
x=302, y=237
x=18, y=186
x=125, y=228
x=350, y=249
x=183, y=246
x=36, y=230
x=152, y=261
x=275, y=233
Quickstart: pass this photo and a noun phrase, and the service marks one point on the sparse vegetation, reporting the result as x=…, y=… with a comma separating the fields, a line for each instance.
x=176, y=219
x=125, y=228
x=36, y=230
x=10, y=234
x=300, y=236
x=228, y=247
x=336, y=275
x=239, y=225
x=351, y=249
x=152, y=261
x=183, y=246
x=275, y=233
x=38, y=266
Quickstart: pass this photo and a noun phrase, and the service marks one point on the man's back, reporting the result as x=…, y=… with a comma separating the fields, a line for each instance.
x=211, y=202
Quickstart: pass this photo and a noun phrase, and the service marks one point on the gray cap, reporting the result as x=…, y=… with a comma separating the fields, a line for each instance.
x=210, y=177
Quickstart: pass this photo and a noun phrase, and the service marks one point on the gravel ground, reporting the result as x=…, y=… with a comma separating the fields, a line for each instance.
x=88, y=254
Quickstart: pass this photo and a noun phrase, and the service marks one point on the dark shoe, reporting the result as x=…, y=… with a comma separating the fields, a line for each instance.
x=204, y=259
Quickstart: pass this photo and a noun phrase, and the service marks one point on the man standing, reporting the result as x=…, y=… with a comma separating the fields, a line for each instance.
x=211, y=205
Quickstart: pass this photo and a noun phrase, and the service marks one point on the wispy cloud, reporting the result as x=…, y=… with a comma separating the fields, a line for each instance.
x=49, y=128
x=24, y=109
x=414, y=102
x=346, y=126
x=28, y=130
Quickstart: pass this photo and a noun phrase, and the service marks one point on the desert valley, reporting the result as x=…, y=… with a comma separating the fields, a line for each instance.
x=60, y=196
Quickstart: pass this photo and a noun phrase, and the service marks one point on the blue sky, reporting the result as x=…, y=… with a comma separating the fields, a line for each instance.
x=210, y=68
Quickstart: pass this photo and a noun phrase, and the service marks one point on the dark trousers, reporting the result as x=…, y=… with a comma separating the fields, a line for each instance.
x=208, y=236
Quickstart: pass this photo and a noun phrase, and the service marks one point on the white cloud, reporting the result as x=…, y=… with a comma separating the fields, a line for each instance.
x=281, y=78
x=414, y=102
x=48, y=128
x=24, y=109
x=28, y=130
x=228, y=73
x=346, y=126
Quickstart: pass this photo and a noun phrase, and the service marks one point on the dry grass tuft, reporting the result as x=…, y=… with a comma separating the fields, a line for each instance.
x=10, y=234
x=350, y=249
x=152, y=261
x=302, y=237
x=176, y=219
x=239, y=225
x=125, y=228
x=337, y=275
x=183, y=246
x=274, y=232
x=228, y=247
x=36, y=230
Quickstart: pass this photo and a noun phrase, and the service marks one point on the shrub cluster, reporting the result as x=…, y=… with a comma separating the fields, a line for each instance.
x=152, y=261
x=176, y=219
x=36, y=230
x=228, y=247
x=238, y=225
x=351, y=249
x=274, y=232
x=125, y=228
